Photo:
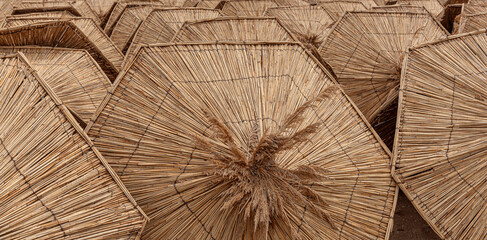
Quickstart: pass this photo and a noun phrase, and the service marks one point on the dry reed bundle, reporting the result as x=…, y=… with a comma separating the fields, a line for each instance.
x=163, y=23
x=440, y=141
x=64, y=34
x=128, y=24
x=72, y=74
x=310, y=24
x=86, y=25
x=78, y=8
x=185, y=122
x=251, y=8
x=121, y=7
x=366, y=51
x=472, y=22
x=337, y=8
x=433, y=6
x=240, y=29
x=54, y=183
x=401, y=8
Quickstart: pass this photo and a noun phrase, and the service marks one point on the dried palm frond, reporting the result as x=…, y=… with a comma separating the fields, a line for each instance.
x=440, y=152
x=54, y=183
x=240, y=29
x=189, y=125
x=310, y=24
x=72, y=74
x=249, y=8
x=77, y=8
x=121, y=7
x=84, y=25
x=366, y=51
x=163, y=23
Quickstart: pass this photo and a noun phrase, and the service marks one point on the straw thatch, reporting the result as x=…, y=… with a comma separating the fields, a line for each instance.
x=240, y=29
x=77, y=8
x=163, y=23
x=72, y=74
x=54, y=183
x=310, y=24
x=366, y=50
x=210, y=4
x=474, y=9
x=367, y=3
x=401, y=8
x=433, y=6
x=472, y=22
x=50, y=14
x=86, y=25
x=182, y=118
x=102, y=7
x=121, y=7
x=440, y=143
x=336, y=9
x=247, y=7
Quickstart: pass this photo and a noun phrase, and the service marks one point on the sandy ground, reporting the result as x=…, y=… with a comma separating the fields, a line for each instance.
x=408, y=224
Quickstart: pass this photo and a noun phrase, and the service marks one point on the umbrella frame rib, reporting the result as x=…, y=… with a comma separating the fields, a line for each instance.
x=67, y=114
x=396, y=177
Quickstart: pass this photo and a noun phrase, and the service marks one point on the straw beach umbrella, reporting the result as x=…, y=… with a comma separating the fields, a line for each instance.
x=73, y=75
x=439, y=154
x=78, y=8
x=201, y=133
x=54, y=183
x=240, y=29
x=366, y=50
x=250, y=8
x=310, y=24
x=433, y=6
x=121, y=7
x=472, y=22
x=337, y=8
x=80, y=33
x=163, y=23
x=210, y=3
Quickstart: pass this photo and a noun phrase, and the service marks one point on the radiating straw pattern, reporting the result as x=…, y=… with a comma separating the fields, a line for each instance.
x=179, y=109
x=440, y=143
x=472, y=22
x=366, y=51
x=162, y=24
x=86, y=25
x=250, y=8
x=72, y=74
x=234, y=29
x=336, y=9
x=209, y=3
x=310, y=24
x=121, y=7
x=54, y=183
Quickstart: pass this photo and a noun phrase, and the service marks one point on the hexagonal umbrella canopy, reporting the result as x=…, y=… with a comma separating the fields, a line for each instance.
x=337, y=8
x=163, y=23
x=55, y=184
x=66, y=34
x=50, y=14
x=73, y=75
x=234, y=29
x=433, y=6
x=210, y=3
x=440, y=152
x=248, y=8
x=471, y=22
x=244, y=141
x=120, y=8
x=310, y=24
x=366, y=50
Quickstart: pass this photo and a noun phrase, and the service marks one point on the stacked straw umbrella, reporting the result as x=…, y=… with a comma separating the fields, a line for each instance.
x=162, y=24
x=336, y=9
x=121, y=7
x=463, y=18
x=66, y=34
x=366, y=51
x=54, y=183
x=216, y=141
x=239, y=29
x=72, y=74
x=439, y=155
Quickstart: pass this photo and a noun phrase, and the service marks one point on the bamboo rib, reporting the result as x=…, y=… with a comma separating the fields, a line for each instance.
x=245, y=29
x=78, y=8
x=440, y=142
x=146, y=129
x=121, y=7
x=72, y=74
x=86, y=25
x=249, y=8
x=366, y=50
x=310, y=24
x=54, y=183
x=162, y=24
